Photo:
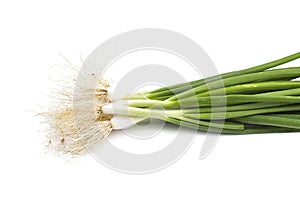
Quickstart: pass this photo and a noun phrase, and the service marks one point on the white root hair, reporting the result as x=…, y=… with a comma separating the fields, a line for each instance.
x=75, y=123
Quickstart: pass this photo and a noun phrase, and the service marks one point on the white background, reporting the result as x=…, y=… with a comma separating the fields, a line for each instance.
x=235, y=34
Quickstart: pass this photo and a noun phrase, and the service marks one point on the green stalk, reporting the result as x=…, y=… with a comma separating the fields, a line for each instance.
x=270, y=75
x=235, y=99
x=165, y=91
x=199, y=118
x=238, y=114
x=253, y=88
x=289, y=92
x=248, y=130
x=290, y=116
x=214, y=124
x=177, y=114
x=240, y=107
x=279, y=121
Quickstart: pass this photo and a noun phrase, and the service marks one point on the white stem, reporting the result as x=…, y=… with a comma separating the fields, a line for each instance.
x=115, y=108
x=121, y=107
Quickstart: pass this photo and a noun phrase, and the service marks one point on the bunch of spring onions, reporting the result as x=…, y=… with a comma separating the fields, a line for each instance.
x=261, y=99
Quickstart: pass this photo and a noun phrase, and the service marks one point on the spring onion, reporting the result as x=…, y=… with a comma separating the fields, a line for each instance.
x=256, y=100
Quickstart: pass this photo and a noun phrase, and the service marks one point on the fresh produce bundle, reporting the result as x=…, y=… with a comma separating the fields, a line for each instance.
x=260, y=99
